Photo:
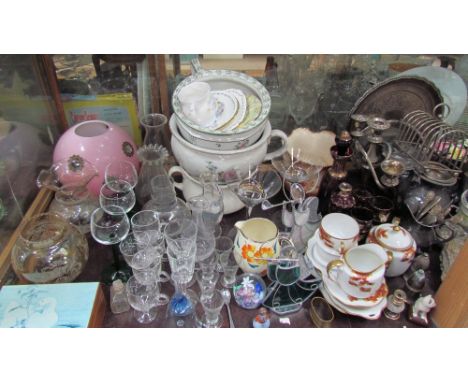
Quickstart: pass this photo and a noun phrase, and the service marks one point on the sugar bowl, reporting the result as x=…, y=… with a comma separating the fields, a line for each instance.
x=398, y=243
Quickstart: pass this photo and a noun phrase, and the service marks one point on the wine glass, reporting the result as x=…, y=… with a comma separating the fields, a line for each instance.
x=143, y=298
x=117, y=193
x=251, y=193
x=109, y=229
x=121, y=170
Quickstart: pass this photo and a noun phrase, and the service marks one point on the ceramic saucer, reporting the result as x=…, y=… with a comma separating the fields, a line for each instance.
x=241, y=110
x=227, y=107
x=340, y=295
x=372, y=313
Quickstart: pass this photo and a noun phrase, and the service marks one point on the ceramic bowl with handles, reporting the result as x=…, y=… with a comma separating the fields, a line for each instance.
x=196, y=160
x=191, y=187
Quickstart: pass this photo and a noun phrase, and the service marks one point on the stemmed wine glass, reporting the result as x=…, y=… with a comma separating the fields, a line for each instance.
x=251, y=193
x=109, y=227
x=121, y=170
x=117, y=193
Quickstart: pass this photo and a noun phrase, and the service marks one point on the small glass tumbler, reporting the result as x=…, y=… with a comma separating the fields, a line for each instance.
x=230, y=267
x=222, y=244
x=212, y=306
x=151, y=274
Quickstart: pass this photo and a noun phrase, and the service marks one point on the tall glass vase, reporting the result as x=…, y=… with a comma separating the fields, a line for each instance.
x=152, y=157
x=153, y=125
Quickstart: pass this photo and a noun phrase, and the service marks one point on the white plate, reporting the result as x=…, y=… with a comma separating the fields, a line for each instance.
x=450, y=84
x=226, y=110
x=372, y=313
x=241, y=110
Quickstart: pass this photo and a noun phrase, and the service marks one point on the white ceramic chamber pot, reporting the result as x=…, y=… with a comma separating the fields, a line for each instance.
x=360, y=272
x=191, y=187
x=339, y=232
x=197, y=103
x=196, y=160
x=398, y=243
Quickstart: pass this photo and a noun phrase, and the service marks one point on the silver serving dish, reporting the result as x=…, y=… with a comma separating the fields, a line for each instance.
x=220, y=80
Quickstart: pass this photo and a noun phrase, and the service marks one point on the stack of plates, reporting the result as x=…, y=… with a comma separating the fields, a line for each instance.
x=242, y=105
x=368, y=308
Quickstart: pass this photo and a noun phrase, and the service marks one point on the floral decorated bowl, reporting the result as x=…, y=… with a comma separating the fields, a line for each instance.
x=196, y=160
x=249, y=291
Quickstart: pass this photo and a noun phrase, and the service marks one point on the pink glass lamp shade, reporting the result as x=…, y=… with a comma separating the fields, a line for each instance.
x=98, y=142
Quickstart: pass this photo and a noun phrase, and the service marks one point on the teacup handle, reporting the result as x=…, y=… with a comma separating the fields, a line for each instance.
x=332, y=265
x=175, y=170
x=280, y=150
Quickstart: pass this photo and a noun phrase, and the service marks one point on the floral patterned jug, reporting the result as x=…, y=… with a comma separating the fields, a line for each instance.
x=256, y=242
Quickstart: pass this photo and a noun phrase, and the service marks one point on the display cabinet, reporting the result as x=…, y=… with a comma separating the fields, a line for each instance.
x=312, y=101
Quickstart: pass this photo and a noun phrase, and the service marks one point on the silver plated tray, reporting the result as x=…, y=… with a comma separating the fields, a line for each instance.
x=393, y=98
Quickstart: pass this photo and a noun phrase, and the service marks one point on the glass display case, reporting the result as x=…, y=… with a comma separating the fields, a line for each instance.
x=315, y=103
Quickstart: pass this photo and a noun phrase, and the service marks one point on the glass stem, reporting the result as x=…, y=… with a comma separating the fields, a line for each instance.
x=249, y=211
x=115, y=255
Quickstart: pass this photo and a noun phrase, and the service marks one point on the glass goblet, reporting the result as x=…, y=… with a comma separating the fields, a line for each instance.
x=121, y=170
x=223, y=244
x=251, y=193
x=212, y=305
x=147, y=222
x=117, y=193
x=143, y=298
x=180, y=235
x=136, y=250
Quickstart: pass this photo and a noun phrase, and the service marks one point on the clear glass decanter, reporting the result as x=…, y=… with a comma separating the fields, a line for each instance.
x=152, y=157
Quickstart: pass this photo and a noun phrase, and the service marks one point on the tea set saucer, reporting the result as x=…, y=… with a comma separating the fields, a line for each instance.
x=239, y=96
x=371, y=313
x=226, y=108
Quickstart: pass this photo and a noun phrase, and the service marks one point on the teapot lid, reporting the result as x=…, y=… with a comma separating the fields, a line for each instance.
x=393, y=236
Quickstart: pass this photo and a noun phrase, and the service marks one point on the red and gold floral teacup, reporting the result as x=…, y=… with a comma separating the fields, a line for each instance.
x=360, y=272
x=339, y=232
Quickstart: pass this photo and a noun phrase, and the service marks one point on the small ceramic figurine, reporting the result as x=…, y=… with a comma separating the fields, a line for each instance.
x=418, y=312
x=262, y=319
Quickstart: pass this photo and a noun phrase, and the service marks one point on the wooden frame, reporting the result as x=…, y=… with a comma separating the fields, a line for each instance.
x=39, y=205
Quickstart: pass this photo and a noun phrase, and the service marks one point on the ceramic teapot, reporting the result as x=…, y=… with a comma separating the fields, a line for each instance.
x=256, y=242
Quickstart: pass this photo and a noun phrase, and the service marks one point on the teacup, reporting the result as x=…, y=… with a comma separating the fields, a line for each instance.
x=360, y=272
x=339, y=232
x=197, y=103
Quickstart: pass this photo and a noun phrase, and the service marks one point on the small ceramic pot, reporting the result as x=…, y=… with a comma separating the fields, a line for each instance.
x=233, y=141
x=256, y=240
x=339, y=232
x=196, y=160
x=191, y=187
x=398, y=243
x=360, y=272
x=100, y=143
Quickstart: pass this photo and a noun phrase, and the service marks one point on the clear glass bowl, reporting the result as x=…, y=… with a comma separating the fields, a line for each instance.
x=49, y=250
